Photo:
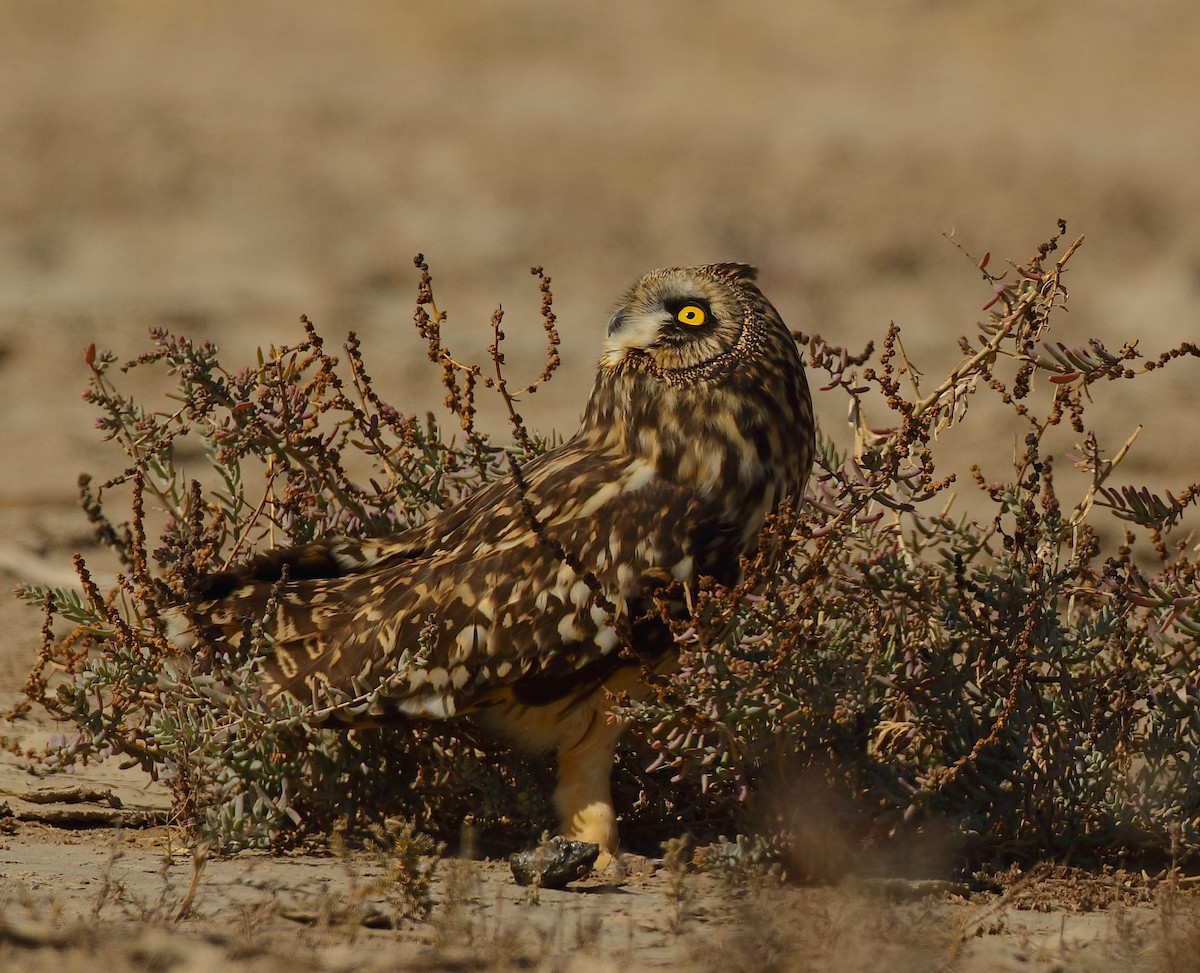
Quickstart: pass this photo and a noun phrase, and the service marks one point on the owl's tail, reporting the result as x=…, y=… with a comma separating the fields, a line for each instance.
x=222, y=604
x=275, y=606
x=329, y=558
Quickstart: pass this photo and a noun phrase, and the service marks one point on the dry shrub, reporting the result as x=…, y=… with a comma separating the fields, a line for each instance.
x=886, y=668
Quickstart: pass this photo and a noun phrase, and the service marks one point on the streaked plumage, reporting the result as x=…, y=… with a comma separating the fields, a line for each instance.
x=525, y=602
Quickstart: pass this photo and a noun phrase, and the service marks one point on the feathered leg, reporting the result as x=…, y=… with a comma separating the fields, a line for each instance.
x=583, y=796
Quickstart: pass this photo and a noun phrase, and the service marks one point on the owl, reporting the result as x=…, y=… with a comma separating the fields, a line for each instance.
x=535, y=601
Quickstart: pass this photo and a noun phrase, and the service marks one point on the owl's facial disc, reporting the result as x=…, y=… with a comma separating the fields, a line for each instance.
x=677, y=319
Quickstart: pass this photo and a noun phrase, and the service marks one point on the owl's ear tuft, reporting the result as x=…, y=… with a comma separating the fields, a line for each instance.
x=735, y=271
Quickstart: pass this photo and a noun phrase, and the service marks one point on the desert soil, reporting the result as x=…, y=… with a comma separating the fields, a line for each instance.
x=89, y=871
x=222, y=168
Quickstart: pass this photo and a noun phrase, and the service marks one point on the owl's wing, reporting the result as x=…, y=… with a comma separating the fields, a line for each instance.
x=536, y=588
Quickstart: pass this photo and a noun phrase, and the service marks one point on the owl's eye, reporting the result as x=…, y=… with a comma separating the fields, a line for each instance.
x=692, y=315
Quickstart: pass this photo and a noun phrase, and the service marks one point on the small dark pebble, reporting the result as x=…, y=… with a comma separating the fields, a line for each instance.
x=554, y=864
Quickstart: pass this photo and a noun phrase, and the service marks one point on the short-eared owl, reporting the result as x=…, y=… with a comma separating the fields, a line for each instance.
x=531, y=601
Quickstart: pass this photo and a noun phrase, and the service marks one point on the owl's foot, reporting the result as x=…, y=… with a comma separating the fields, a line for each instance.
x=596, y=824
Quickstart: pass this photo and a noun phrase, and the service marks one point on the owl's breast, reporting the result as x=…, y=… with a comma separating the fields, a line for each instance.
x=735, y=439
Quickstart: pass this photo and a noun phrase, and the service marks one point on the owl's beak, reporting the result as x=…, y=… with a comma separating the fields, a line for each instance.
x=617, y=322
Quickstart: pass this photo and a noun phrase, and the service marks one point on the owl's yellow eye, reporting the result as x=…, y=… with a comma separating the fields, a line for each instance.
x=692, y=315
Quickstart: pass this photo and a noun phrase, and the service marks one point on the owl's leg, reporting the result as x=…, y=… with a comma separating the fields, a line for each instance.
x=583, y=796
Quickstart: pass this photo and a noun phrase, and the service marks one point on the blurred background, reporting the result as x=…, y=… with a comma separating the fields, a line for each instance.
x=222, y=167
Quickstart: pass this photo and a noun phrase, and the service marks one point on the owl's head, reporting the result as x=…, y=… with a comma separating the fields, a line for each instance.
x=687, y=320
x=701, y=378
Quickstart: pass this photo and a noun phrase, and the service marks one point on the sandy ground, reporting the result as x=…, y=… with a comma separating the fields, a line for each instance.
x=85, y=872
x=222, y=168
